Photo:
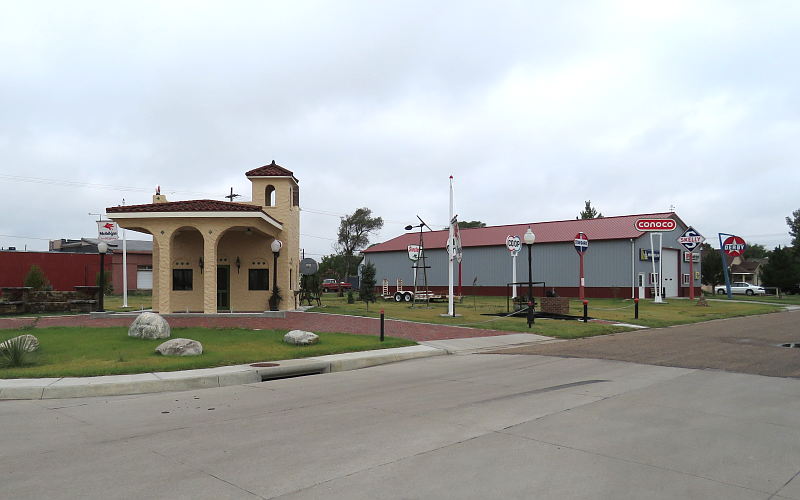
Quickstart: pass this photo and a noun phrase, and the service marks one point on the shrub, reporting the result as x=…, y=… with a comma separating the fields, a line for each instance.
x=14, y=352
x=350, y=298
x=36, y=279
x=275, y=299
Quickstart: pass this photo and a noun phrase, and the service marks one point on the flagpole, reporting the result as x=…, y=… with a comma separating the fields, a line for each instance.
x=451, y=250
x=124, y=266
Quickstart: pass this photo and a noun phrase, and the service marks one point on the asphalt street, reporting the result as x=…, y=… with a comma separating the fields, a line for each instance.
x=460, y=426
x=751, y=344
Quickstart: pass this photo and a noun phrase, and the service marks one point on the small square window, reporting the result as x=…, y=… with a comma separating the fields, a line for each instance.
x=181, y=279
x=258, y=279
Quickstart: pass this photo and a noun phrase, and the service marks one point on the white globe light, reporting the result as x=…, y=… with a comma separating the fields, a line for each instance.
x=276, y=246
x=102, y=247
x=529, y=236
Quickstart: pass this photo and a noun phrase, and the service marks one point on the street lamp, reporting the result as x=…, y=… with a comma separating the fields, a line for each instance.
x=102, y=248
x=529, y=238
x=276, y=250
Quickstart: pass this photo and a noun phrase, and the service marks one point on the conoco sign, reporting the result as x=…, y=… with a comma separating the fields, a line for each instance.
x=655, y=224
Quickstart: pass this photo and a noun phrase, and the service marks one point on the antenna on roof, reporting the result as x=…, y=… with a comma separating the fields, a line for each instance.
x=232, y=196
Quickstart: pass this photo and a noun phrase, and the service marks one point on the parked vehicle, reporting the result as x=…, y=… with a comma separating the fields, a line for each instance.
x=741, y=287
x=331, y=285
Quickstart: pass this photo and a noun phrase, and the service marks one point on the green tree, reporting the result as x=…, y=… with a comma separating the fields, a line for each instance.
x=471, y=224
x=794, y=227
x=755, y=251
x=711, y=266
x=367, y=290
x=353, y=235
x=36, y=279
x=589, y=212
x=333, y=266
x=783, y=268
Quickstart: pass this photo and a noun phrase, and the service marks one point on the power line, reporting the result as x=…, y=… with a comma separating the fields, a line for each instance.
x=24, y=237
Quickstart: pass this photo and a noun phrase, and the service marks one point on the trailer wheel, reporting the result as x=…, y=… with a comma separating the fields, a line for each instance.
x=398, y=297
x=407, y=297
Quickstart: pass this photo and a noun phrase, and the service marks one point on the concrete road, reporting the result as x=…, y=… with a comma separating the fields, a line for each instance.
x=750, y=344
x=473, y=426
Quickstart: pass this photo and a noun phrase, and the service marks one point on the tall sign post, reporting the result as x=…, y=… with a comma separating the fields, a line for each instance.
x=691, y=239
x=733, y=246
x=655, y=227
x=514, y=245
x=581, y=246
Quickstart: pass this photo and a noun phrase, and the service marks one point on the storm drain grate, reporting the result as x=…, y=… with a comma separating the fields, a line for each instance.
x=264, y=365
x=792, y=344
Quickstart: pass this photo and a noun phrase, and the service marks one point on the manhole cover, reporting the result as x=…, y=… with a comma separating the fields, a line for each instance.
x=264, y=365
x=792, y=344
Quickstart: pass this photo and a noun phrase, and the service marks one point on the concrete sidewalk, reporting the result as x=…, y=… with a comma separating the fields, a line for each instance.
x=140, y=383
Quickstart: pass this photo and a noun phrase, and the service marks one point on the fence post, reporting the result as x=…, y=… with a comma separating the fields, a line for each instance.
x=636, y=308
x=382, y=327
x=585, y=311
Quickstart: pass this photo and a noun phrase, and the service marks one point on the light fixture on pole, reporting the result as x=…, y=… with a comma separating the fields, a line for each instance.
x=276, y=250
x=529, y=238
x=102, y=248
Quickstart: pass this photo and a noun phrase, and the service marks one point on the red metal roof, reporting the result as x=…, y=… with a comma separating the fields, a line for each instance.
x=606, y=228
x=187, y=206
x=271, y=170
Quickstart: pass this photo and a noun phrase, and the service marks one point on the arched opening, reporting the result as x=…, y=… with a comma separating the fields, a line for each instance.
x=269, y=196
x=243, y=270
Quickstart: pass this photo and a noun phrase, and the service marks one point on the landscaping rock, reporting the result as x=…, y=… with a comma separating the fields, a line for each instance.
x=299, y=337
x=180, y=347
x=29, y=342
x=149, y=326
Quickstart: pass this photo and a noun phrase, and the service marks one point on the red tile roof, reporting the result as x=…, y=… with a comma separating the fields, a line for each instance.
x=606, y=228
x=187, y=206
x=271, y=170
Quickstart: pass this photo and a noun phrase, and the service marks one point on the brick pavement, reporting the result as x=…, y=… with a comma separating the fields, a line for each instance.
x=315, y=322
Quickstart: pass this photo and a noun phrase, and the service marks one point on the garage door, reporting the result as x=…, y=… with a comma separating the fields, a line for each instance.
x=670, y=270
x=144, y=279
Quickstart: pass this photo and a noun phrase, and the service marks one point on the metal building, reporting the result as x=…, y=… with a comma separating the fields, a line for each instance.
x=618, y=262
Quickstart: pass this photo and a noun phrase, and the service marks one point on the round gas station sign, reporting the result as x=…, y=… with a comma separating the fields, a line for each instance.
x=734, y=246
x=581, y=242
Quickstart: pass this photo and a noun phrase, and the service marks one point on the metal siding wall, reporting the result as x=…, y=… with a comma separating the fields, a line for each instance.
x=607, y=263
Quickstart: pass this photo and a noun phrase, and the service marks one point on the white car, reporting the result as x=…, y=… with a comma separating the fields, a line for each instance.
x=741, y=287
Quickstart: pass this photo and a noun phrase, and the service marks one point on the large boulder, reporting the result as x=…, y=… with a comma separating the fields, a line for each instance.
x=180, y=347
x=299, y=337
x=28, y=342
x=149, y=326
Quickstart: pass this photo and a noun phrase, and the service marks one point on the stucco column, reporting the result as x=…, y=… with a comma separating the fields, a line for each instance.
x=210, y=240
x=163, y=256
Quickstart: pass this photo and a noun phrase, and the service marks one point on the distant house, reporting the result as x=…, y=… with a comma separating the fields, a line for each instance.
x=748, y=270
x=139, y=261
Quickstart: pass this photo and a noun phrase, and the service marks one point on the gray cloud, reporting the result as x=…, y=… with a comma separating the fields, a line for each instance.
x=534, y=107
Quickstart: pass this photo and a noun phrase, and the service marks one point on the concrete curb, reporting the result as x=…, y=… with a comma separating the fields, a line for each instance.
x=117, y=385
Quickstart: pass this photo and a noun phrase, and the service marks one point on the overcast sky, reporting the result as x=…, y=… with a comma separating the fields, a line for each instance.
x=533, y=107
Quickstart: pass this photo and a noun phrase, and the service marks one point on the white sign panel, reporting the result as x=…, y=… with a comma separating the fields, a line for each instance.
x=413, y=252
x=514, y=245
x=107, y=230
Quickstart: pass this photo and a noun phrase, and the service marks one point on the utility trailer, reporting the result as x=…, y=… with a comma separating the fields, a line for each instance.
x=401, y=295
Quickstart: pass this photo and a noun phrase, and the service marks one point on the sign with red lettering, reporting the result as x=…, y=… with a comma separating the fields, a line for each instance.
x=655, y=224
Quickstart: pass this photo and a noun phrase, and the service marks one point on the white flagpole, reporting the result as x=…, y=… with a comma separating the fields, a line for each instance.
x=124, y=266
x=451, y=250
x=124, y=270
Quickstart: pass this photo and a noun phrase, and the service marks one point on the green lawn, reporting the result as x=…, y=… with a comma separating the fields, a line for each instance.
x=81, y=352
x=472, y=310
x=135, y=302
x=784, y=299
